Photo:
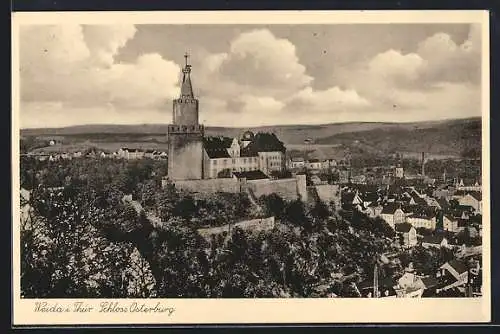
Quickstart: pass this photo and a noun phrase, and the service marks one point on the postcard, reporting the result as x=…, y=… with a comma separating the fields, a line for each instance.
x=250, y=167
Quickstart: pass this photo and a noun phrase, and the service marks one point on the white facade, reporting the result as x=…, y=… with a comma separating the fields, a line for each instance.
x=237, y=164
x=450, y=224
x=428, y=223
x=471, y=201
x=397, y=217
x=271, y=161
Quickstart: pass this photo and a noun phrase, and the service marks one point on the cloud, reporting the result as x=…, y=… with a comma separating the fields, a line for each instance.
x=330, y=100
x=261, y=75
x=257, y=58
x=105, y=40
x=439, y=80
x=75, y=65
x=393, y=65
x=72, y=74
x=448, y=61
x=256, y=63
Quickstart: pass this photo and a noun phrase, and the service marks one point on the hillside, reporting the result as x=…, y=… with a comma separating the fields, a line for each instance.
x=439, y=137
x=451, y=137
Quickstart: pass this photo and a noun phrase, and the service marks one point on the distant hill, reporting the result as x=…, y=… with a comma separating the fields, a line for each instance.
x=441, y=137
x=449, y=137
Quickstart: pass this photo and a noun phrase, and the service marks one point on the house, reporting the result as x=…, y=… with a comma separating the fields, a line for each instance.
x=432, y=202
x=314, y=164
x=297, y=162
x=393, y=214
x=369, y=198
x=351, y=198
x=430, y=285
x=409, y=285
x=385, y=288
x=422, y=219
x=374, y=209
x=161, y=155
x=407, y=233
x=452, y=274
x=436, y=241
x=359, y=179
x=223, y=155
x=472, y=199
x=262, y=151
x=469, y=185
x=123, y=152
x=135, y=154
x=149, y=154
x=328, y=163
x=450, y=223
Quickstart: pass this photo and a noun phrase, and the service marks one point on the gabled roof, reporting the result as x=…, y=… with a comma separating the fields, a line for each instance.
x=458, y=266
x=422, y=215
x=216, y=147
x=266, y=142
x=443, y=202
x=403, y=227
x=370, y=197
x=348, y=196
x=476, y=195
x=217, y=142
x=373, y=204
x=248, y=152
x=433, y=239
x=450, y=217
x=429, y=282
x=251, y=175
x=390, y=208
x=465, y=208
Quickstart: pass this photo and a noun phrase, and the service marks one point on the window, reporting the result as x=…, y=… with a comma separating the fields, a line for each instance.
x=214, y=162
x=244, y=160
x=234, y=161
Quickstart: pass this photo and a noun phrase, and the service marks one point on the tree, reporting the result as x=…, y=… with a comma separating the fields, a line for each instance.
x=274, y=205
x=65, y=255
x=295, y=213
x=320, y=211
x=225, y=173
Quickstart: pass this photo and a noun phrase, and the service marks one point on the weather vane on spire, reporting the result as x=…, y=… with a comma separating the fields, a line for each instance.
x=186, y=56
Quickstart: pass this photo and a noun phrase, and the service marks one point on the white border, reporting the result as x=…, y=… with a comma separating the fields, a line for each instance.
x=264, y=310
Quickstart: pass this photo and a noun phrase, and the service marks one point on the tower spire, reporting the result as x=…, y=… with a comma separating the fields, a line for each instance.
x=186, y=85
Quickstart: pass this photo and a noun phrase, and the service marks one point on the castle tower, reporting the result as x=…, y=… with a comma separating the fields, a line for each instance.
x=185, y=135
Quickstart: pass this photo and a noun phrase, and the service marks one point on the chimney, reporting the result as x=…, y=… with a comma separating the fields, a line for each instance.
x=423, y=163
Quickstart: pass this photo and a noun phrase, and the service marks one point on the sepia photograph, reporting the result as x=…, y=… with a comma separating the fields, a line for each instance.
x=256, y=161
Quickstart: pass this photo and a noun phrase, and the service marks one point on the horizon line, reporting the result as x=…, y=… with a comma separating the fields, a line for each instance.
x=255, y=126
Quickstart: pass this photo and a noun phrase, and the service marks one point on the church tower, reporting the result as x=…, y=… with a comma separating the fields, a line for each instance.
x=185, y=135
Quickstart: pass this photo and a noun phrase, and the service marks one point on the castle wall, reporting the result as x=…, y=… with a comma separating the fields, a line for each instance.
x=253, y=225
x=229, y=185
x=286, y=188
x=289, y=189
x=328, y=193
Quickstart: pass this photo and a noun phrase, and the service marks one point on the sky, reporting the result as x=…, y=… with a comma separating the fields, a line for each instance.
x=249, y=75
